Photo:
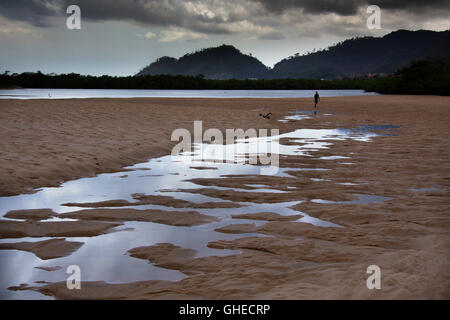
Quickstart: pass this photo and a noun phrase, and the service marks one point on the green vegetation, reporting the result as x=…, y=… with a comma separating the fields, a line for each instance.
x=76, y=81
x=421, y=77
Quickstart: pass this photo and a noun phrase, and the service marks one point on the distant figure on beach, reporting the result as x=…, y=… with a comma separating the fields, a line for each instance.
x=316, y=100
x=266, y=116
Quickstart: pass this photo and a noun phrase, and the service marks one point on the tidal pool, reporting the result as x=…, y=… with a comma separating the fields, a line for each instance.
x=303, y=115
x=104, y=258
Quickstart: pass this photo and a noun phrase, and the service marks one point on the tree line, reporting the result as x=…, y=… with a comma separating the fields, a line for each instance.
x=420, y=77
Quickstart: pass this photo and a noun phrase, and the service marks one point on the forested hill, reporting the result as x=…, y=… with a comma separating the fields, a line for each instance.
x=224, y=62
x=362, y=56
x=350, y=58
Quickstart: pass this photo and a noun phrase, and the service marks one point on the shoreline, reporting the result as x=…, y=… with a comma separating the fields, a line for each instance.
x=218, y=94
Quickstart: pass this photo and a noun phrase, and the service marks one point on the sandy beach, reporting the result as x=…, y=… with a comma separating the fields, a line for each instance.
x=407, y=233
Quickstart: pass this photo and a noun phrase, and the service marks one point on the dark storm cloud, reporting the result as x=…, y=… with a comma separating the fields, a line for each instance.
x=34, y=11
x=206, y=16
x=413, y=6
x=148, y=12
x=342, y=7
x=151, y=12
x=350, y=7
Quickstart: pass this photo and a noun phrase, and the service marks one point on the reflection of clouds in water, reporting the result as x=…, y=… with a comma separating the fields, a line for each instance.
x=103, y=257
x=362, y=199
x=13, y=273
x=242, y=150
x=294, y=117
x=334, y=157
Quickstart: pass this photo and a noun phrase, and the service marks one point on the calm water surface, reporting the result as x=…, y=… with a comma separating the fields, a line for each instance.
x=136, y=93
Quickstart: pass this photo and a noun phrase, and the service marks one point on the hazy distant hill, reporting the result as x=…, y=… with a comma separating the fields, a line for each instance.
x=224, y=62
x=361, y=56
x=353, y=57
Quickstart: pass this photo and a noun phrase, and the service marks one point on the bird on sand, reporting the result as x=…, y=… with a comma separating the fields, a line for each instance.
x=266, y=116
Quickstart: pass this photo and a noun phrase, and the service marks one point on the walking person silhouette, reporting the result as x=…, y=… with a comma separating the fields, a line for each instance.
x=316, y=101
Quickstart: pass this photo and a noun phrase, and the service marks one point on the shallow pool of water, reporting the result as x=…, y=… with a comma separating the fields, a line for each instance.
x=103, y=258
x=362, y=199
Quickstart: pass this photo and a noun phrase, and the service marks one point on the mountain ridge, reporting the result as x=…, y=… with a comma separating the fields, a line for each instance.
x=222, y=62
x=360, y=56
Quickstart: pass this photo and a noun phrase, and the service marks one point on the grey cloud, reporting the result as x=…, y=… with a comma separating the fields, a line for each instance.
x=413, y=6
x=152, y=12
x=145, y=12
x=350, y=7
x=272, y=36
x=194, y=15
x=343, y=7
x=34, y=11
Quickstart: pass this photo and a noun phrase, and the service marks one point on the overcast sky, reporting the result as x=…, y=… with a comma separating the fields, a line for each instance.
x=120, y=37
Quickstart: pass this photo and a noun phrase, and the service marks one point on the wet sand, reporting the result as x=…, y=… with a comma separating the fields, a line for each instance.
x=407, y=235
x=37, y=229
x=174, y=218
x=45, y=142
x=47, y=249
